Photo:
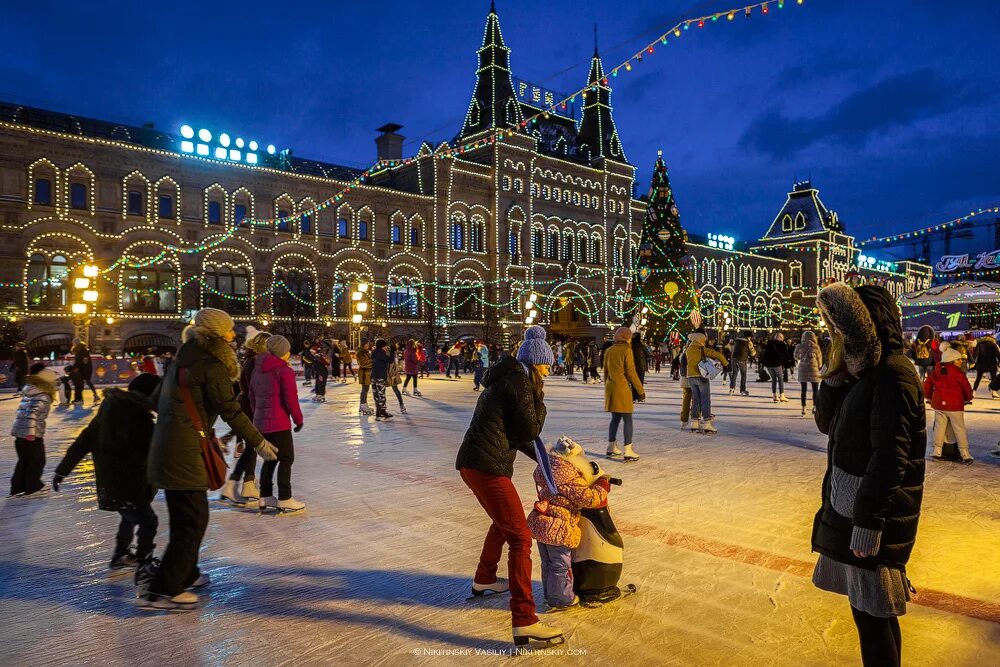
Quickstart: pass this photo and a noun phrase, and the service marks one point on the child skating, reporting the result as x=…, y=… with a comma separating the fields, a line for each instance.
x=29, y=432
x=948, y=390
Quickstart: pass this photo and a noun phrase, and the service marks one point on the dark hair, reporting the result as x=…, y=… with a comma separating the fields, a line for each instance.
x=36, y=368
x=380, y=343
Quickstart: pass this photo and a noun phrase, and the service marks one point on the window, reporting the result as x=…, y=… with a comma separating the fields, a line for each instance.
x=78, y=196
x=282, y=222
x=306, y=224
x=512, y=244
x=476, y=236
x=43, y=191
x=505, y=183
x=342, y=228
x=545, y=191
x=214, y=213
x=396, y=234
x=166, y=207
x=586, y=200
x=518, y=185
x=341, y=299
x=536, y=243
x=567, y=249
x=415, y=235
x=227, y=288
x=149, y=289
x=239, y=213
x=596, y=253
x=292, y=293
x=457, y=236
x=47, y=279
x=534, y=189
x=553, y=249
x=786, y=223
x=363, y=230
x=402, y=301
x=134, y=202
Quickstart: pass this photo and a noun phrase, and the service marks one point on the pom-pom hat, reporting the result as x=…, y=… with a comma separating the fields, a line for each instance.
x=534, y=351
x=950, y=355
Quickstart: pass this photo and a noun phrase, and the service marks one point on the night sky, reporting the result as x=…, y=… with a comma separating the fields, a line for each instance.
x=889, y=105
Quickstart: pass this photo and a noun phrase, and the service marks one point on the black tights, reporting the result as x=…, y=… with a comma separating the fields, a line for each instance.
x=881, y=642
x=815, y=387
x=407, y=381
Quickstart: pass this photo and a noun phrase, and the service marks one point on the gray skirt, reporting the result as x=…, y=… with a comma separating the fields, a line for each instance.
x=882, y=592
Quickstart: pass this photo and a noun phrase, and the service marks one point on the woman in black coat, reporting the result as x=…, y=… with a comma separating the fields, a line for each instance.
x=871, y=405
x=509, y=416
x=641, y=356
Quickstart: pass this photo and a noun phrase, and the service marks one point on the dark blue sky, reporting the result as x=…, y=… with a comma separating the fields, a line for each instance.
x=890, y=105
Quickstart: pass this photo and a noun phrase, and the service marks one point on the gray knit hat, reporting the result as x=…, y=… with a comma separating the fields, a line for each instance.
x=278, y=346
x=214, y=321
x=534, y=350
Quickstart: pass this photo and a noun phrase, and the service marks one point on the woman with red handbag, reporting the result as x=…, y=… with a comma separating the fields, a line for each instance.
x=184, y=455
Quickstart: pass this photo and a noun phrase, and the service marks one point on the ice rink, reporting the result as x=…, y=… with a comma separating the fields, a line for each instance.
x=376, y=571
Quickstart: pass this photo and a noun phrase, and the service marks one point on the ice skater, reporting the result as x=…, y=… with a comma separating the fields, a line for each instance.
x=621, y=384
x=381, y=358
x=810, y=359
x=871, y=406
x=413, y=363
x=117, y=439
x=509, y=416
x=245, y=468
x=555, y=519
x=948, y=390
x=364, y=377
x=28, y=429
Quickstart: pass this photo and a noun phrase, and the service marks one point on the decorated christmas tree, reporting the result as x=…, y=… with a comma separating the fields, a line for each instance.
x=664, y=291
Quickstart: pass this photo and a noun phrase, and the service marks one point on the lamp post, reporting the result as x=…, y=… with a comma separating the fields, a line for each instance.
x=531, y=310
x=359, y=307
x=83, y=307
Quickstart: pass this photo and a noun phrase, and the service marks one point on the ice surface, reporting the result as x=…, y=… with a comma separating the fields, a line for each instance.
x=377, y=570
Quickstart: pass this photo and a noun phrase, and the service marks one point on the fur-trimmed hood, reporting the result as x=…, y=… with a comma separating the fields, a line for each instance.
x=843, y=309
x=213, y=345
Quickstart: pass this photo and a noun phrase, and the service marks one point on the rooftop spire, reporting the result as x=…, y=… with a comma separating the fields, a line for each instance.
x=493, y=102
x=598, y=137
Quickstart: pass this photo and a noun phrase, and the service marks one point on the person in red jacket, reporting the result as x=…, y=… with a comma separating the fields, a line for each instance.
x=948, y=390
x=275, y=402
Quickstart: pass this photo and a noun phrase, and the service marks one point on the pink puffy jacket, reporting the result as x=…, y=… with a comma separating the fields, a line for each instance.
x=556, y=519
x=273, y=395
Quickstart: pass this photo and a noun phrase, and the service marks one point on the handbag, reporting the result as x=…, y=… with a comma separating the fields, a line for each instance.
x=211, y=450
x=708, y=368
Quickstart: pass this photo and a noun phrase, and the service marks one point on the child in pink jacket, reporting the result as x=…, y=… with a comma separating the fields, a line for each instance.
x=274, y=399
x=555, y=520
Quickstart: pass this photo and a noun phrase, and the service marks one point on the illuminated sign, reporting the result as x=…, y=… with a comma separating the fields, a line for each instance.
x=721, y=241
x=866, y=262
x=542, y=98
x=987, y=261
x=223, y=148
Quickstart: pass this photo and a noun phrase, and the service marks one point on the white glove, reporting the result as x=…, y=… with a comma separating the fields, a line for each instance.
x=267, y=451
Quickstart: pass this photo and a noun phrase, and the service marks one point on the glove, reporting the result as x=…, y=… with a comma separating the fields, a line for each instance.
x=56, y=481
x=267, y=451
x=297, y=428
x=603, y=483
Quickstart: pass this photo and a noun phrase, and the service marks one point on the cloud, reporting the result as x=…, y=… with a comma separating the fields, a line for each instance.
x=896, y=101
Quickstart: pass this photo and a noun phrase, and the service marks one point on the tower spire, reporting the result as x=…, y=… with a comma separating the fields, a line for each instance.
x=493, y=103
x=598, y=137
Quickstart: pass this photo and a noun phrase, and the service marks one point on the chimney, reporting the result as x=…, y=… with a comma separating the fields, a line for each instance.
x=389, y=144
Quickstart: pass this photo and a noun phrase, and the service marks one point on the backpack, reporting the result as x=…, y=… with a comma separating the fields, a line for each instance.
x=421, y=355
x=923, y=350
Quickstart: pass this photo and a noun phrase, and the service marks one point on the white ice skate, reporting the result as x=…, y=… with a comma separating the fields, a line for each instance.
x=404, y=391
x=402, y=409
x=630, y=454
x=498, y=586
x=364, y=409
x=706, y=426
x=613, y=452
x=539, y=634
x=290, y=505
x=249, y=492
x=229, y=494
x=782, y=397
x=417, y=393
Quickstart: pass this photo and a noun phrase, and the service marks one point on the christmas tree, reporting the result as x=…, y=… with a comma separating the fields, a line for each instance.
x=664, y=291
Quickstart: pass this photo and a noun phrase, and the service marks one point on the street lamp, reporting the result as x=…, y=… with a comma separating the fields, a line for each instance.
x=530, y=312
x=88, y=297
x=359, y=306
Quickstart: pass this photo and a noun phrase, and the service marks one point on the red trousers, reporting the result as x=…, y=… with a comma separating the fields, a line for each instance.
x=499, y=498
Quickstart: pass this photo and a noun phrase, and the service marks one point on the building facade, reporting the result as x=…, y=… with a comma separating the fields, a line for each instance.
x=449, y=247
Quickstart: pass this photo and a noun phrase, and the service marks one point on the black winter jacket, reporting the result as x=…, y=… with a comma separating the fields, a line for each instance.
x=118, y=440
x=381, y=358
x=775, y=354
x=875, y=457
x=175, y=456
x=508, y=418
x=987, y=355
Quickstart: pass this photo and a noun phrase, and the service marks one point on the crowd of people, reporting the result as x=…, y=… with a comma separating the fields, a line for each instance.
x=157, y=434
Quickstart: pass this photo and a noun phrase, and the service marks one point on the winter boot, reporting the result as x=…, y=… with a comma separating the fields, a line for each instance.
x=186, y=601
x=498, y=586
x=544, y=634
x=706, y=426
x=250, y=492
x=267, y=503
x=144, y=573
x=364, y=409
x=613, y=452
x=782, y=397
x=229, y=494
x=126, y=560
x=630, y=454
x=290, y=505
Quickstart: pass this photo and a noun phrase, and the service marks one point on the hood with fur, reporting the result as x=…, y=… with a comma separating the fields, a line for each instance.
x=844, y=309
x=213, y=345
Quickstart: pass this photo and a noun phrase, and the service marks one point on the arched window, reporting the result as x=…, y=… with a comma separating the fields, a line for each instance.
x=505, y=183
x=476, y=235
x=553, y=249
x=227, y=288
x=415, y=239
x=43, y=191
x=567, y=248
x=149, y=289
x=536, y=242
x=47, y=282
x=457, y=234
x=292, y=293
x=214, y=212
x=343, y=228
x=306, y=223
x=518, y=185
x=363, y=230
x=512, y=245
x=402, y=299
x=596, y=254
x=78, y=196
x=396, y=233
x=341, y=298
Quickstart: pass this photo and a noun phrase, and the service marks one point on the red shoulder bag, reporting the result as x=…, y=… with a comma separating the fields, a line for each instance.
x=211, y=450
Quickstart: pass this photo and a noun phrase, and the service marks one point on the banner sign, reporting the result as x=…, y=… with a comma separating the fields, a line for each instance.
x=985, y=261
